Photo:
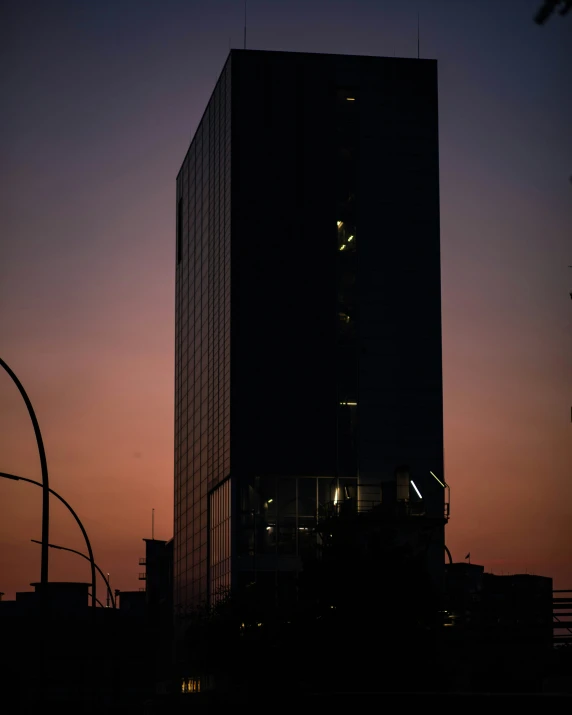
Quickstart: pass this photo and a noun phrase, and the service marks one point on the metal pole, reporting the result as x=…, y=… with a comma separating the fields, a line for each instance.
x=44, y=484
x=75, y=516
x=97, y=599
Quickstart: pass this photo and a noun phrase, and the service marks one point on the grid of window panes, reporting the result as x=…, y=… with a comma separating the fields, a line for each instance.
x=279, y=515
x=219, y=541
x=202, y=342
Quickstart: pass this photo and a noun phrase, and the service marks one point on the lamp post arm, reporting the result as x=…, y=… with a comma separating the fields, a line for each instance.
x=98, y=601
x=75, y=516
x=44, y=484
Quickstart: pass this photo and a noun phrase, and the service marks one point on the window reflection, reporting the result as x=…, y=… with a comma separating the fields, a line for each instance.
x=219, y=541
x=279, y=515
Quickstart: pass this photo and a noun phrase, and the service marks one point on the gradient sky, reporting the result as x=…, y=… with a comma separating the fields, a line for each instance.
x=99, y=104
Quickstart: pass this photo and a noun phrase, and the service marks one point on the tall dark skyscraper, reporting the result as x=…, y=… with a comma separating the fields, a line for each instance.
x=308, y=310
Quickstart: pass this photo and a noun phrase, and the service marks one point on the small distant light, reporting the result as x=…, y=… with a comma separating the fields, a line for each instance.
x=336, y=496
x=268, y=528
x=342, y=246
x=350, y=99
x=340, y=224
x=351, y=238
x=417, y=490
x=348, y=404
x=437, y=478
x=270, y=501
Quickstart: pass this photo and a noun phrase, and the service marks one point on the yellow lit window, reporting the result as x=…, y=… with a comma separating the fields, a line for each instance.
x=191, y=685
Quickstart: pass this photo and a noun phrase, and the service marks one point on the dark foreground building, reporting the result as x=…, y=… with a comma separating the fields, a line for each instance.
x=308, y=313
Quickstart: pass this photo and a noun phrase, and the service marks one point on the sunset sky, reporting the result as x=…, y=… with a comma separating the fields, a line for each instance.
x=99, y=103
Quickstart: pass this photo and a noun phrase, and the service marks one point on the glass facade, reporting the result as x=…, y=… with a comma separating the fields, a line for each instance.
x=279, y=517
x=336, y=356
x=219, y=541
x=202, y=343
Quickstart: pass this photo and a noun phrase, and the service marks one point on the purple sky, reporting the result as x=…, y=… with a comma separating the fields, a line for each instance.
x=99, y=104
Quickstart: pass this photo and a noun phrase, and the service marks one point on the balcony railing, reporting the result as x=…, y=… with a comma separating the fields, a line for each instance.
x=348, y=507
x=142, y=561
x=142, y=576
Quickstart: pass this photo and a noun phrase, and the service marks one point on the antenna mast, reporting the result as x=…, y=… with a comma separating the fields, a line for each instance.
x=245, y=24
x=417, y=35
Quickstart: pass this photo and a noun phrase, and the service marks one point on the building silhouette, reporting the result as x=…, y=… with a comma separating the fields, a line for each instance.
x=308, y=369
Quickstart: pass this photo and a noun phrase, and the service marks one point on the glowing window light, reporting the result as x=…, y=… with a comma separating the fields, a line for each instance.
x=417, y=490
x=340, y=224
x=336, y=496
x=191, y=685
x=270, y=501
x=342, y=246
x=349, y=404
x=350, y=99
x=437, y=478
x=351, y=238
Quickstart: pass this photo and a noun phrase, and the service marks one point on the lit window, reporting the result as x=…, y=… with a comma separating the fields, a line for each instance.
x=342, y=246
x=351, y=238
x=191, y=685
x=351, y=99
x=340, y=224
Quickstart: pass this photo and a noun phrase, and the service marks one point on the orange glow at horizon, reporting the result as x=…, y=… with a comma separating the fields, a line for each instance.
x=91, y=145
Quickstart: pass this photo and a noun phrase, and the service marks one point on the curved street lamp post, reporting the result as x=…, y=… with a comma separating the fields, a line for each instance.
x=75, y=516
x=44, y=483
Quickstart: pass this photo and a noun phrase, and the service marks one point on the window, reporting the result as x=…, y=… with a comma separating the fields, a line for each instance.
x=179, y=231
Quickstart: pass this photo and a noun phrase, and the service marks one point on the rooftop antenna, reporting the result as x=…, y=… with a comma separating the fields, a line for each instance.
x=417, y=35
x=153, y=524
x=245, y=24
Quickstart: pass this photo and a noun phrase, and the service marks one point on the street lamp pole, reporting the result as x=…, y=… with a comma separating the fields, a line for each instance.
x=15, y=478
x=79, y=553
x=44, y=484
